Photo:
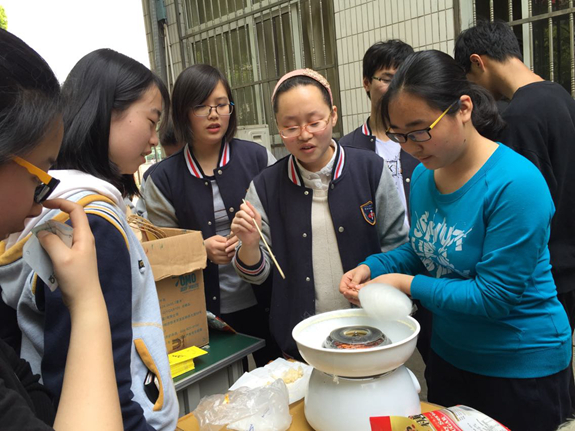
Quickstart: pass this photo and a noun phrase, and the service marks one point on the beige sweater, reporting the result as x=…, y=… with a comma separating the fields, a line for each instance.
x=327, y=269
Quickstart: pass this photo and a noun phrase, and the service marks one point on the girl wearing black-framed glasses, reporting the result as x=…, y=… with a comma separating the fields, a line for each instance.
x=477, y=255
x=202, y=187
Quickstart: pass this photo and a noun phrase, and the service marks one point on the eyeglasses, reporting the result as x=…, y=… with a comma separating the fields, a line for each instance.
x=313, y=127
x=223, y=109
x=385, y=80
x=48, y=184
x=416, y=135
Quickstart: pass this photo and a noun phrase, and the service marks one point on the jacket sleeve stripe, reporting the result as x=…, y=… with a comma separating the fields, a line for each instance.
x=110, y=217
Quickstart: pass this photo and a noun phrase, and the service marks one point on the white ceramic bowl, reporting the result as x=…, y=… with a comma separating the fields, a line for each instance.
x=311, y=333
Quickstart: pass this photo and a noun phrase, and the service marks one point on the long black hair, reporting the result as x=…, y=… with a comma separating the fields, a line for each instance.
x=29, y=97
x=102, y=83
x=193, y=86
x=436, y=78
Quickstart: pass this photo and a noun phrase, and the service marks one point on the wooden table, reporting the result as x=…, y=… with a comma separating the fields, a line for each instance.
x=216, y=371
x=299, y=423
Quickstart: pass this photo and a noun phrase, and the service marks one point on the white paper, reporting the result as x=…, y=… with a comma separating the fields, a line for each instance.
x=37, y=258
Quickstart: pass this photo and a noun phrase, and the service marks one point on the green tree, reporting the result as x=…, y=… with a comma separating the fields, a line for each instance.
x=3, y=18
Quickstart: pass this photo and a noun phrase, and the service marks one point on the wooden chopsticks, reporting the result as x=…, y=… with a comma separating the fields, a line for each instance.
x=267, y=246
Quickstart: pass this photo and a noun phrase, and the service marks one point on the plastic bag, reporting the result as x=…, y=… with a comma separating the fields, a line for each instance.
x=294, y=374
x=260, y=409
x=457, y=418
x=216, y=322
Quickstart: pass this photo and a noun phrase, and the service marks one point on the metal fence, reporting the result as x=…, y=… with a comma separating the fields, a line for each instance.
x=545, y=32
x=254, y=42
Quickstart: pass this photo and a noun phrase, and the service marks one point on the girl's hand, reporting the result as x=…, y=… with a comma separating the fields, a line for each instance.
x=75, y=266
x=399, y=281
x=231, y=243
x=351, y=282
x=216, y=249
x=243, y=226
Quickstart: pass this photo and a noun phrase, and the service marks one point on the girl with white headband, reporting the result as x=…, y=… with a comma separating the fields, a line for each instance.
x=322, y=209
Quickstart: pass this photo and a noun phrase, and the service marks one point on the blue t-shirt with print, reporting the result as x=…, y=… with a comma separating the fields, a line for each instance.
x=494, y=302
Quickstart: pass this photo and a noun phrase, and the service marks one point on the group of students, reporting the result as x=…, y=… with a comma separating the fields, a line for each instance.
x=447, y=215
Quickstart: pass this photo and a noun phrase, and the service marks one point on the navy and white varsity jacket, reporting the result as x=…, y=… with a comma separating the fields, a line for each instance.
x=363, y=138
x=179, y=194
x=138, y=342
x=367, y=215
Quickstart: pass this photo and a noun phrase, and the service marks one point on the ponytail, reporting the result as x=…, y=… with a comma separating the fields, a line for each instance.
x=485, y=115
x=436, y=78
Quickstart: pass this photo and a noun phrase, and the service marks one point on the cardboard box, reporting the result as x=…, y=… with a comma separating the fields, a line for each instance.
x=177, y=262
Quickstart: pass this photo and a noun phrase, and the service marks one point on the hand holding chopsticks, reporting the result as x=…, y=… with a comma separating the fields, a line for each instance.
x=242, y=226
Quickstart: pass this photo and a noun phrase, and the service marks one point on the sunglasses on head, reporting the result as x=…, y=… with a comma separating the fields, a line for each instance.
x=48, y=183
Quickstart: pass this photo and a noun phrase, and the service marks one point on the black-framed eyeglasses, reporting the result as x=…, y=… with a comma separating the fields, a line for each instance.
x=48, y=183
x=385, y=80
x=223, y=109
x=416, y=135
x=313, y=127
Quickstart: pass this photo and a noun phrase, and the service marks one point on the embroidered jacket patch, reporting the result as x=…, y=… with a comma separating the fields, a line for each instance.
x=368, y=212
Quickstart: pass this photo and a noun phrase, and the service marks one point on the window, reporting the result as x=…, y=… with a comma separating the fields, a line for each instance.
x=544, y=29
x=255, y=42
x=203, y=11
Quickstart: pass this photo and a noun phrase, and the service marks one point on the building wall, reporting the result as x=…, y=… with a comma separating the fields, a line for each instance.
x=174, y=58
x=174, y=61
x=148, y=26
x=424, y=24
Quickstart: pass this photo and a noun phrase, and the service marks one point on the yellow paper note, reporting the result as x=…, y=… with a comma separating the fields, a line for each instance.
x=182, y=361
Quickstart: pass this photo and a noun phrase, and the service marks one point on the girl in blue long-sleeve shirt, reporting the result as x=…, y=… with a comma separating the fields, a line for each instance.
x=480, y=216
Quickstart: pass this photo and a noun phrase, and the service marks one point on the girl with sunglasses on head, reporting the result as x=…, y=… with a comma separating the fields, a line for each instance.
x=202, y=187
x=112, y=106
x=322, y=209
x=30, y=138
x=480, y=217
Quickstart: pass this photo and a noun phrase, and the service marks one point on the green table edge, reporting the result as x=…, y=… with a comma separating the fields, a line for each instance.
x=224, y=349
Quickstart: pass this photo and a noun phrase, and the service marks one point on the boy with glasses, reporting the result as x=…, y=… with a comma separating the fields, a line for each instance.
x=380, y=63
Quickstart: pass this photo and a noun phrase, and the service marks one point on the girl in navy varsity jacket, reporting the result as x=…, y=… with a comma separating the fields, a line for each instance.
x=322, y=209
x=202, y=186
